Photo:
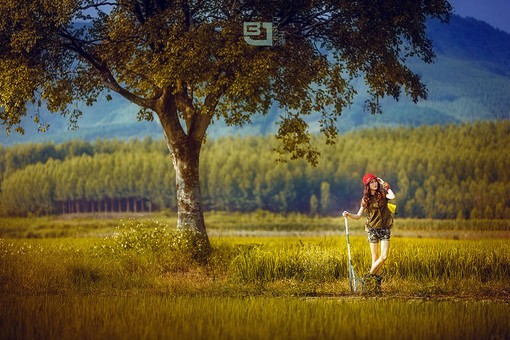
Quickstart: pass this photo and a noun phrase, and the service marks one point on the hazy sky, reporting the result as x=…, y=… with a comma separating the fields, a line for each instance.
x=494, y=12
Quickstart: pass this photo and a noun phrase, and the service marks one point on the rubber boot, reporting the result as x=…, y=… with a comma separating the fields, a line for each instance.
x=377, y=286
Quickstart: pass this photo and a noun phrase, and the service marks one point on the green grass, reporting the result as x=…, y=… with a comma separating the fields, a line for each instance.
x=139, y=279
x=69, y=226
x=238, y=224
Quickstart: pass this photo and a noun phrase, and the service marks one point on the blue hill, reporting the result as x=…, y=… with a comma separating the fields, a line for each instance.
x=469, y=81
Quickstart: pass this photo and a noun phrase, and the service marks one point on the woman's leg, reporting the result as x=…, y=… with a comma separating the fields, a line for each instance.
x=377, y=261
x=374, y=249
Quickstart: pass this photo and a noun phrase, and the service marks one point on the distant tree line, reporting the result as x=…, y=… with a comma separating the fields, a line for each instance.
x=437, y=172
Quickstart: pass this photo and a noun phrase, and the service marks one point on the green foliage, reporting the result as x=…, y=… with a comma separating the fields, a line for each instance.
x=189, y=62
x=152, y=245
x=452, y=172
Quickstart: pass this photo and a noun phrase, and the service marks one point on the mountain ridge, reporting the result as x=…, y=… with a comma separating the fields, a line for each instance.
x=468, y=81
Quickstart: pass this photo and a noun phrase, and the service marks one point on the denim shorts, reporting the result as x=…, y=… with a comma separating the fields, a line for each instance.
x=375, y=235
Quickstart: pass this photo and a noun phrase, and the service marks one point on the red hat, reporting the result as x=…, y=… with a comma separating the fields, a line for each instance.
x=368, y=178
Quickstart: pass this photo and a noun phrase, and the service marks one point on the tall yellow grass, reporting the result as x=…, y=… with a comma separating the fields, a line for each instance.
x=141, y=283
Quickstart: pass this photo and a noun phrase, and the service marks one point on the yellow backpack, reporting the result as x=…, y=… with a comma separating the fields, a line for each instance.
x=392, y=208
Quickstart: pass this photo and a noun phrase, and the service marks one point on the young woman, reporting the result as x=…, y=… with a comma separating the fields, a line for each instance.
x=376, y=193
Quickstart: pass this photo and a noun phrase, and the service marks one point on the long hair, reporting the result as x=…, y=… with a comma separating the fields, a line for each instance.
x=380, y=197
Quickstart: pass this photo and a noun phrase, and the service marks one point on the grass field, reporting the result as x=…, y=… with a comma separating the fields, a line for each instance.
x=267, y=277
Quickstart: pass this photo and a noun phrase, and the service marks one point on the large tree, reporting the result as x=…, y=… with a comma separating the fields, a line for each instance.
x=191, y=62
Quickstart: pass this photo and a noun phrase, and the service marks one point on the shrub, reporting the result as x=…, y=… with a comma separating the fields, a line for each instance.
x=146, y=245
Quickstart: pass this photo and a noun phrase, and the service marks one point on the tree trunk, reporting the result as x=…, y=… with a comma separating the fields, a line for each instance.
x=184, y=147
x=190, y=216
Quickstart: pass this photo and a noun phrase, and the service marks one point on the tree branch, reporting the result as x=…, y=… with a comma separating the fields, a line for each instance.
x=166, y=109
x=185, y=103
x=202, y=119
x=106, y=74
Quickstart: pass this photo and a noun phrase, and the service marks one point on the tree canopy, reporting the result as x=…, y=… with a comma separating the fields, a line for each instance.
x=193, y=54
x=188, y=62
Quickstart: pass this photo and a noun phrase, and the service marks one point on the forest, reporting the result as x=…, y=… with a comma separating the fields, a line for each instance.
x=445, y=172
